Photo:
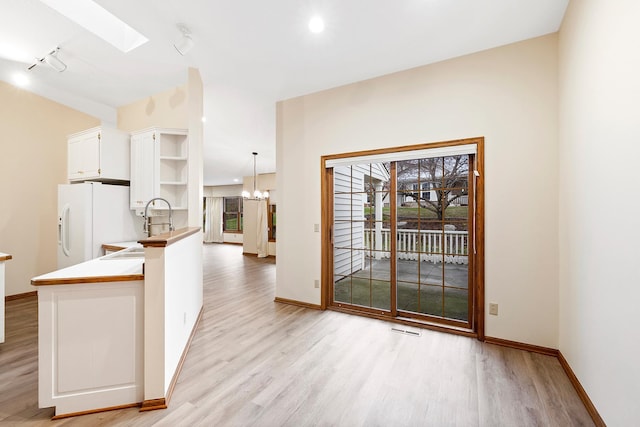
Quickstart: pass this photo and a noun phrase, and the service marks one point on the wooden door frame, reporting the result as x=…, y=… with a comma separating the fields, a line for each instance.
x=326, y=235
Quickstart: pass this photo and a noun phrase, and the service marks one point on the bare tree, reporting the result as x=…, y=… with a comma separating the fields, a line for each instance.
x=446, y=175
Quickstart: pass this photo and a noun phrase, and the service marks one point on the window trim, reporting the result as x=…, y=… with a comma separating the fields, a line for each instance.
x=239, y=215
x=271, y=209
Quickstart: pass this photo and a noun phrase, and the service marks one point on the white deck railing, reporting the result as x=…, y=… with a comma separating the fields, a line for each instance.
x=429, y=245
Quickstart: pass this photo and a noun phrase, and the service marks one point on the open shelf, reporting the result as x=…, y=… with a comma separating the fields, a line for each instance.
x=161, y=165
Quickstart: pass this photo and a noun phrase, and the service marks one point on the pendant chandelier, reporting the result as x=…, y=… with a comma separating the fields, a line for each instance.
x=257, y=194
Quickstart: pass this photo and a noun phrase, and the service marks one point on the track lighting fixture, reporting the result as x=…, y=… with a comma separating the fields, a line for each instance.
x=52, y=60
x=185, y=44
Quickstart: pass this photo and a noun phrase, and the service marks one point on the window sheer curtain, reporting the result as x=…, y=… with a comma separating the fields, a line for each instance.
x=213, y=221
x=262, y=230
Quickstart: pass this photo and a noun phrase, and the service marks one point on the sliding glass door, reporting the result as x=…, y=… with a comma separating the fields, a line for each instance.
x=402, y=231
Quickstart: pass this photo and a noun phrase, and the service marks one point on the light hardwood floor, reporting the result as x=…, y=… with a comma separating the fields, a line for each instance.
x=254, y=362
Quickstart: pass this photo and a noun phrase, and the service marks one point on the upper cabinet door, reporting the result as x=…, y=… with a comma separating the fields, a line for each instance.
x=98, y=154
x=84, y=156
x=144, y=184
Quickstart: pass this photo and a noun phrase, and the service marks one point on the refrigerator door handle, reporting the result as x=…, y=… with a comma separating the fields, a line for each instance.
x=63, y=230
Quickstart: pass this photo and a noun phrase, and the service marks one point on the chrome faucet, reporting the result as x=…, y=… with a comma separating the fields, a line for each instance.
x=147, y=220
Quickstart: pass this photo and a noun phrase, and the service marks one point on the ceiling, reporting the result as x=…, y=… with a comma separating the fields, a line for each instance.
x=252, y=53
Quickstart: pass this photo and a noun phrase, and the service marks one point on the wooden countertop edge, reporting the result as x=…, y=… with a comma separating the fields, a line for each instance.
x=169, y=238
x=81, y=280
x=109, y=247
x=5, y=257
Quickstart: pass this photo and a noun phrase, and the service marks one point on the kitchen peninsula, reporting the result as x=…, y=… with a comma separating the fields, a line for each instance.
x=112, y=331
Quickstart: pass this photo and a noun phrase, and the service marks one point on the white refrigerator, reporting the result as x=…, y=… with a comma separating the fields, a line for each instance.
x=89, y=215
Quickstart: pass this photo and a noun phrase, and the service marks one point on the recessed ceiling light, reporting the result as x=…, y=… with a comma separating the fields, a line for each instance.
x=204, y=119
x=94, y=18
x=236, y=180
x=20, y=80
x=316, y=25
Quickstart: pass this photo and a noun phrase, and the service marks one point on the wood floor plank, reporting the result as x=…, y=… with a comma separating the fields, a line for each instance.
x=254, y=362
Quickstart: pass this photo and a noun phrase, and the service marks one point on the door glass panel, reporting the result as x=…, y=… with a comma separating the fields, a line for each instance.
x=431, y=300
x=432, y=237
x=456, y=275
x=456, y=304
x=408, y=296
x=342, y=288
x=361, y=243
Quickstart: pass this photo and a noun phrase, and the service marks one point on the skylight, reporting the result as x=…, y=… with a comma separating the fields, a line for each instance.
x=94, y=18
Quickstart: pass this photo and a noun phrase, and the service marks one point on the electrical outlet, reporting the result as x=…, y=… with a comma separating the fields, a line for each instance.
x=316, y=283
x=316, y=228
x=493, y=308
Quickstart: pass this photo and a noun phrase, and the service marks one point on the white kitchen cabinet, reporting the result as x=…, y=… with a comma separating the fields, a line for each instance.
x=98, y=154
x=159, y=167
x=90, y=345
x=143, y=181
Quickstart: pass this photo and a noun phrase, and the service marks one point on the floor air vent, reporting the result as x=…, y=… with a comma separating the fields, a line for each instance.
x=407, y=332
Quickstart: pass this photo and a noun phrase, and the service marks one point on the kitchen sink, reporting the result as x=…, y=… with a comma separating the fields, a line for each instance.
x=134, y=252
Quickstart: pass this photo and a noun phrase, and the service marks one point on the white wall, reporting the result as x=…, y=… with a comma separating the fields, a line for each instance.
x=509, y=96
x=599, y=152
x=168, y=109
x=223, y=190
x=183, y=298
x=173, y=299
x=264, y=182
x=237, y=238
x=33, y=162
x=181, y=108
x=196, y=171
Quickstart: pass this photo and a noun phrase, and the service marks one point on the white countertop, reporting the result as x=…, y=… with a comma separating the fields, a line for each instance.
x=106, y=269
x=122, y=245
x=94, y=271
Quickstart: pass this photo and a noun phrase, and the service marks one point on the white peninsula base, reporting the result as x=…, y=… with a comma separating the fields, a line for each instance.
x=91, y=352
x=112, y=332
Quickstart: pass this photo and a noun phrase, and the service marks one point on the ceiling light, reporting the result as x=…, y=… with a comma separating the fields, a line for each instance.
x=204, y=119
x=20, y=79
x=316, y=25
x=99, y=21
x=185, y=44
x=52, y=60
x=257, y=194
x=14, y=53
